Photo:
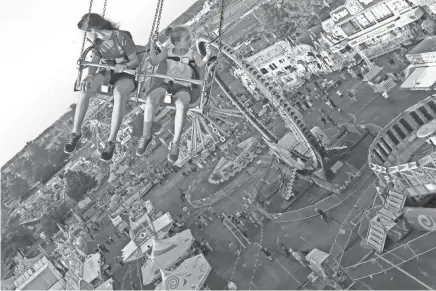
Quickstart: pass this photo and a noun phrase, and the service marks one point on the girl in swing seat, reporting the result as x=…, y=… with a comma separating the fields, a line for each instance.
x=178, y=60
x=113, y=47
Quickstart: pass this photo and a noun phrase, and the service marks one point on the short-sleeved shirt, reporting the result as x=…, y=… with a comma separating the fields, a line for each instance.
x=116, y=48
x=180, y=69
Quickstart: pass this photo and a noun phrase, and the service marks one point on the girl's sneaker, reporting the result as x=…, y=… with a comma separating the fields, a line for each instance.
x=142, y=145
x=108, y=152
x=173, y=155
x=71, y=144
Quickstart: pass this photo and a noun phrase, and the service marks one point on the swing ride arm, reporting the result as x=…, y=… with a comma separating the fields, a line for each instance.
x=88, y=64
x=192, y=81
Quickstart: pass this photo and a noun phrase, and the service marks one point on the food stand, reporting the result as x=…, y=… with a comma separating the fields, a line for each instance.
x=379, y=81
x=326, y=271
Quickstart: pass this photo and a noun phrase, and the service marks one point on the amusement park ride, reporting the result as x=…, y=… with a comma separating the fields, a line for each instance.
x=308, y=155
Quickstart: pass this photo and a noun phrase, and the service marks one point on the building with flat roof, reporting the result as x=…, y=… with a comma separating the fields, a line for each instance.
x=287, y=66
x=421, y=73
x=374, y=27
x=41, y=276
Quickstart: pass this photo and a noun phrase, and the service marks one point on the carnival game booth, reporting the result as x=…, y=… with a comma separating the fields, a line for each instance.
x=190, y=275
x=142, y=235
x=166, y=254
x=91, y=270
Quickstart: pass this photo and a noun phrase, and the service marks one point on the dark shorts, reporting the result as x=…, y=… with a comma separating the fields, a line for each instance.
x=174, y=88
x=115, y=77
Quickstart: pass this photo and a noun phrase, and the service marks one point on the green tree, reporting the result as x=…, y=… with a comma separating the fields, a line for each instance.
x=38, y=153
x=17, y=186
x=78, y=184
x=57, y=157
x=17, y=237
x=58, y=214
x=293, y=17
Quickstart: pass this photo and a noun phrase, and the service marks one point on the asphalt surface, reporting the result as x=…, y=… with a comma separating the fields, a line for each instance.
x=251, y=269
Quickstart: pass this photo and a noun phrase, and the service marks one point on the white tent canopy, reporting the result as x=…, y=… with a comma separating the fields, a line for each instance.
x=132, y=251
x=165, y=253
x=421, y=78
x=91, y=267
x=107, y=285
x=190, y=275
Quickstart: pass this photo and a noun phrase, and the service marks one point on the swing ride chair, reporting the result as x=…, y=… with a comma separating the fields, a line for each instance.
x=201, y=88
x=196, y=106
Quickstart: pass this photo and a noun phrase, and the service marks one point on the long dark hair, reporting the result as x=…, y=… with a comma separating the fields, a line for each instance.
x=96, y=21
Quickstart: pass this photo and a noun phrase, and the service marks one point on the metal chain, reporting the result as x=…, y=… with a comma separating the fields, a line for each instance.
x=221, y=24
x=154, y=30
x=215, y=69
x=104, y=8
x=87, y=22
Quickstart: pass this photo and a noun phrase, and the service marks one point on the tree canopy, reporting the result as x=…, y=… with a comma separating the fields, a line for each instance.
x=58, y=214
x=17, y=186
x=292, y=17
x=78, y=184
x=16, y=237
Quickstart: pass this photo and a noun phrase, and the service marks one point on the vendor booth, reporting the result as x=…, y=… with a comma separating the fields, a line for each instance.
x=190, y=275
x=165, y=254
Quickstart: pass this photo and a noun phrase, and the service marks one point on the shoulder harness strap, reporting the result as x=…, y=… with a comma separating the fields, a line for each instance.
x=191, y=64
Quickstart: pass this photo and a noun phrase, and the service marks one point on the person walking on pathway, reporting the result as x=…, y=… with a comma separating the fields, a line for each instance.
x=299, y=257
x=202, y=220
x=323, y=119
x=322, y=215
x=206, y=244
x=266, y=252
x=331, y=120
x=110, y=240
x=285, y=249
x=182, y=196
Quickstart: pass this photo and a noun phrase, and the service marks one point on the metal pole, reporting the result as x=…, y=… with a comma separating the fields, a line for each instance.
x=405, y=273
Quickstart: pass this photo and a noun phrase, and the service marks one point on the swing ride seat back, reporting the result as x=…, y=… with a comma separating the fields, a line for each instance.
x=196, y=91
x=106, y=89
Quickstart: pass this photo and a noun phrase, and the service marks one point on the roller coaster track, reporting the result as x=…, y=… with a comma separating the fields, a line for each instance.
x=288, y=113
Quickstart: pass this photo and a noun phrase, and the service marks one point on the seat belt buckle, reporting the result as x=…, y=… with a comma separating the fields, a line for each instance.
x=167, y=98
x=107, y=89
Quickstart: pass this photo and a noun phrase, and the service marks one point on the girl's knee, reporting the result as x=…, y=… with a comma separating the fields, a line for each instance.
x=183, y=99
x=86, y=95
x=123, y=88
x=119, y=97
x=155, y=95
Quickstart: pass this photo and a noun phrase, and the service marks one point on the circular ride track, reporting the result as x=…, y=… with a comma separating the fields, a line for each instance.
x=305, y=151
x=309, y=149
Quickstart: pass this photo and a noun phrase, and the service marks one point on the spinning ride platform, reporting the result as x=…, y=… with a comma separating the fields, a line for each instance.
x=226, y=176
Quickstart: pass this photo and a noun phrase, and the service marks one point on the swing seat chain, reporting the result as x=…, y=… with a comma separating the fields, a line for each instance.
x=139, y=75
